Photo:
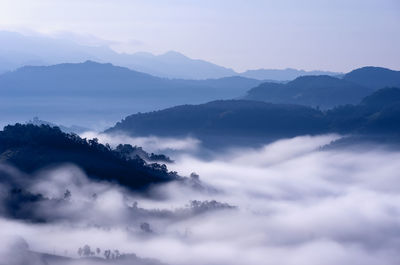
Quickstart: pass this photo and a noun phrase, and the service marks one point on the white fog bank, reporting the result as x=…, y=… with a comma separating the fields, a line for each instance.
x=296, y=205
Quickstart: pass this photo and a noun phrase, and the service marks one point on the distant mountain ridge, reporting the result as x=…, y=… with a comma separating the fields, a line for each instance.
x=19, y=50
x=91, y=91
x=317, y=91
x=327, y=91
x=284, y=74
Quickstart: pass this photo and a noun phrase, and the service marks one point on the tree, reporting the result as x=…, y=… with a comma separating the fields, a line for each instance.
x=86, y=251
x=67, y=195
x=145, y=227
x=107, y=254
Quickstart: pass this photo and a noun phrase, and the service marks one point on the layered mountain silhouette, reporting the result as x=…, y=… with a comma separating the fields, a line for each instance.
x=18, y=50
x=327, y=91
x=232, y=120
x=84, y=92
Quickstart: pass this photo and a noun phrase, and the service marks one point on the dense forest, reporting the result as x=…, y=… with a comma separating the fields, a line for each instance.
x=31, y=148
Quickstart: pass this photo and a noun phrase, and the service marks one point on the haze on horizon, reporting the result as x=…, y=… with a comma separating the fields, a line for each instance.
x=310, y=34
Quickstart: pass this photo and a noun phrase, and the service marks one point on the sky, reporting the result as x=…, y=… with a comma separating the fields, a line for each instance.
x=336, y=35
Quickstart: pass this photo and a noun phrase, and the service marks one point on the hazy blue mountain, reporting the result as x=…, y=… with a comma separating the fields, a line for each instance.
x=173, y=65
x=323, y=91
x=374, y=77
x=17, y=50
x=229, y=122
x=90, y=92
x=283, y=74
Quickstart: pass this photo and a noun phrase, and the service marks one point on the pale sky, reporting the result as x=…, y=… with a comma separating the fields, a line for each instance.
x=336, y=35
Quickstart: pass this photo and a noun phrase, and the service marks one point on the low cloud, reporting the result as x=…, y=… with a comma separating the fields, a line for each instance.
x=150, y=144
x=294, y=204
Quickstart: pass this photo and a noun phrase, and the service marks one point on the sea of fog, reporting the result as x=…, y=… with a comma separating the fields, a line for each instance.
x=290, y=203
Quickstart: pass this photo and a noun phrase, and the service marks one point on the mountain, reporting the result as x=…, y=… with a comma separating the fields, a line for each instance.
x=378, y=113
x=173, y=65
x=283, y=74
x=90, y=92
x=227, y=122
x=327, y=91
x=323, y=91
x=19, y=50
x=31, y=148
x=374, y=77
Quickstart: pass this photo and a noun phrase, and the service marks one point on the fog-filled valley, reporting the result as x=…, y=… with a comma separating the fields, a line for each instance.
x=232, y=181
x=288, y=202
x=199, y=132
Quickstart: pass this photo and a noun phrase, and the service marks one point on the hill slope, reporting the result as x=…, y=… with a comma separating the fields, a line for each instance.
x=229, y=121
x=31, y=148
x=374, y=77
x=324, y=91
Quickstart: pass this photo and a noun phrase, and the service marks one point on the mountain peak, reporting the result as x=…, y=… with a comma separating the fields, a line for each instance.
x=174, y=55
x=374, y=77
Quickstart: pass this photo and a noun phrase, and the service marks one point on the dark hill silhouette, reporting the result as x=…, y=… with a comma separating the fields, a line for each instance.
x=323, y=91
x=30, y=148
x=374, y=77
x=327, y=91
x=226, y=122
x=377, y=113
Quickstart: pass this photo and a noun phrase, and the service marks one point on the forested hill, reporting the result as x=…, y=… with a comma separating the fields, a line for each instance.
x=322, y=91
x=31, y=148
x=378, y=113
x=374, y=77
x=227, y=122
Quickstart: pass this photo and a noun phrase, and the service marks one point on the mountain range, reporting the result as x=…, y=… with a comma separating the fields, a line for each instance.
x=18, y=50
x=90, y=92
x=95, y=95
